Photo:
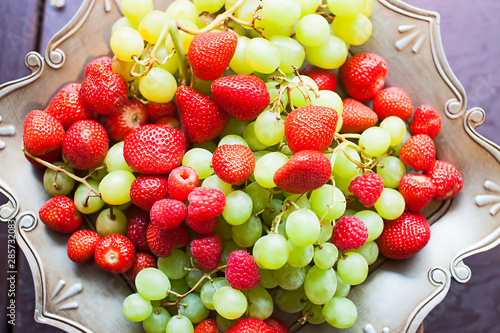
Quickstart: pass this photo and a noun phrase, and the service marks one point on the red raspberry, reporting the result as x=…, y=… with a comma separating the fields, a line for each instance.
x=138, y=221
x=81, y=245
x=207, y=326
x=142, y=260
x=233, y=164
x=202, y=226
x=349, y=233
x=181, y=181
x=426, y=120
x=168, y=213
x=418, y=152
x=392, y=102
x=324, y=78
x=446, y=179
x=115, y=253
x=147, y=189
x=207, y=249
x=242, y=272
x=417, y=190
x=205, y=203
x=367, y=188
x=249, y=325
x=60, y=214
x=158, y=241
x=276, y=325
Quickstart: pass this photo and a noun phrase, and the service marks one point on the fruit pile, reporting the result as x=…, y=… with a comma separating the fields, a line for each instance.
x=217, y=170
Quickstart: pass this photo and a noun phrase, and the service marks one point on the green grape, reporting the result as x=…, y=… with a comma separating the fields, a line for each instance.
x=312, y=30
x=340, y=312
x=182, y=10
x=260, y=303
x=373, y=223
x=157, y=321
x=229, y=247
x=137, y=308
x=398, y=146
x=369, y=251
x=353, y=30
x=266, y=166
x=390, y=205
x=320, y=285
x=193, y=308
x=125, y=43
x=223, y=323
x=215, y=182
x=391, y=169
x=326, y=255
x=135, y=10
x=200, y=160
x=57, y=182
x=270, y=29
x=329, y=99
x=272, y=210
x=223, y=229
x=209, y=6
x=152, y=283
x=151, y=26
x=246, y=234
x=250, y=137
x=396, y=128
x=298, y=200
x=343, y=183
x=303, y=227
x=291, y=52
x=343, y=166
x=367, y=11
x=299, y=256
x=115, y=187
x=114, y=159
x=122, y=22
x=342, y=287
x=185, y=40
x=158, y=86
x=330, y=55
x=281, y=12
x=267, y=279
x=91, y=204
x=238, y=63
x=269, y=128
x=179, y=324
x=179, y=286
x=297, y=94
x=172, y=64
x=123, y=68
x=246, y=11
x=328, y=202
x=192, y=278
x=313, y=313
x=307, y=7
x=230, y=303
x=290, y=301
x=262, y=56
x=233, y=139
x=238, y=208
x=290, y=277
x=234, y=126
x=208, y=291
x=106, y=224
x=261, y=197
x=346, y=7
x=325, y=233
x=352, y=268
x=173, y=265
x=271, y=251
x=374, y=141
x=273, y=87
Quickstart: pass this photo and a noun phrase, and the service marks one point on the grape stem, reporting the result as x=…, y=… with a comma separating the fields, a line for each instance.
x=179, y=49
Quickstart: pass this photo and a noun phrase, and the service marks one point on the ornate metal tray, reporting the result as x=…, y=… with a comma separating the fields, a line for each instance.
x=83, y=298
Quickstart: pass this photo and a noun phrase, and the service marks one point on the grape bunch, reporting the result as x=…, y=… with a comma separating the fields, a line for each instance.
x=220, y=171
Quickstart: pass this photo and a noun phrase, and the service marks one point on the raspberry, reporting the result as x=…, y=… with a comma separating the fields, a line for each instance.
x=181, y=181
x=138, y=221
x=418, y=152
x=142, y=260
x=349, y=233
x=276, y=325
x=249, y=325
x=207, y=249
x=205, y=203
x=202, y=226
x=207, y=326
x=367, y=188
x=242, y=272
x=446, y=179
x=159, y=244
x=168, y=213
x=417, y=190
x=233, y=164
x=147, y=189
x=81, y=245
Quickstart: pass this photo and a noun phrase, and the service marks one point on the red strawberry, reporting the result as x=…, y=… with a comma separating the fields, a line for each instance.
x=81, y=245
x=349, y=233
x=154, y=149
x=115, y=253
x=120, y=123
x=60, y=214
x=179, y=236
x=242, y=272
x=405, y=236
x=158, y=241
x=249, y=325
x=142, y=260
x=207, y=249
x=392, y=102
x=417, y=190
x=276, y=325
x=367, y=188
x=85, y=144
x=207, y=326
x=170, y=122
x=303, y=172
x=181, y=181
x=138, y=221
x=244, y=97
x=446, y=179
x=202, y=226
x=234, y=164
x=209, y=53
x=324, y=78
x=418, y=152
x=160, y=110
x=98, y=65
x=310, y=127
x=147, y=189
x=426, y=120
x=205, y=203
x=42, y=133
x=168, y=213
x=363, y=75
x=357, y=117
x=67, y=106
x=201, y=118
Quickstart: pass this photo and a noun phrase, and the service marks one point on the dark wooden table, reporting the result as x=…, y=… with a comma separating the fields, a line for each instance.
x=471, y=38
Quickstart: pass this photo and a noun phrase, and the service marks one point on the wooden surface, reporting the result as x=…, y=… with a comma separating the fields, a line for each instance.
x=471, y=39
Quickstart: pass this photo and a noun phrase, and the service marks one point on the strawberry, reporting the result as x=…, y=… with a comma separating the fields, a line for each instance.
x=417, y=190
x=67, y=106
x=367, y=188
x=142, y=260
x=418, y=152
x=405, y=236
x=154, y=149
x=201, y=118
x=392, y=102
x=357, y=117
x=205, y=203
x=147, y=189
x=242, y=272
x=85, y=144
x=209, y=53
x=115, y=253
x=249, y=325
x=81, y=245
x=310, y=127
x=276, y=325
x=363, y=75
x=60, y=214
x=426, y=120
x=120, y=123
x=181, y=181
x=244, y=97
x=202, y=226
x=207, y=250
x=170, y=122
x=303, y=172
x=446, y=179
x=98, y=64
x=158, y=241
x=207, y=326
x=324, y=78
x=137, y=225
x=179, y=236
x=160, y=110
x=42, y=133
x=168, y=213
x=234, y=164
x=349, y=233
